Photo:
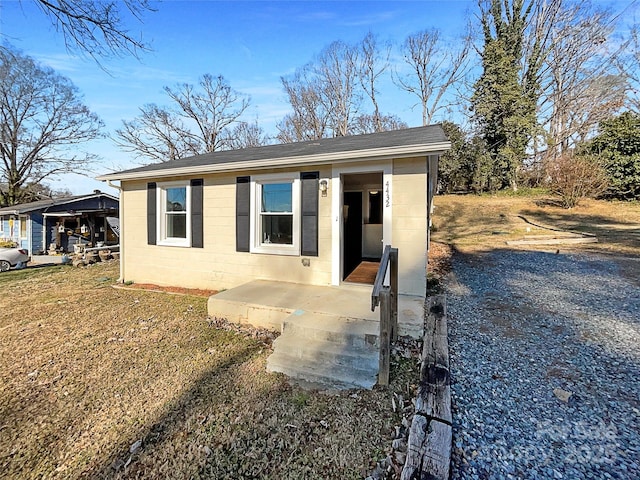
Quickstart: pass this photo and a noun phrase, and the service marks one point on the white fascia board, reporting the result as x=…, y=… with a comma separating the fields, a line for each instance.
x=76, y=213
x=269, y=163
x=61, y=214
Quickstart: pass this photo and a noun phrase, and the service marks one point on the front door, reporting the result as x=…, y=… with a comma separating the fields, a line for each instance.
x=352, y=218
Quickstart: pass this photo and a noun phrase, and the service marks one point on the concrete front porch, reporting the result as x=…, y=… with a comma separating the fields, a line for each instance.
x=268, y=304
x=329, y=334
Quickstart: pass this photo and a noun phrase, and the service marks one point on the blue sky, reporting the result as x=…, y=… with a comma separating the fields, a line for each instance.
x=252, y=44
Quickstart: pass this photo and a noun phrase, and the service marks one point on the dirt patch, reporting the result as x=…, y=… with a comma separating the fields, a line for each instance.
x=173, y=290
x=440, y=255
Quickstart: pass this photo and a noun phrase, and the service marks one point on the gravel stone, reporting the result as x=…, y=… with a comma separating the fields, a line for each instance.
x=523, y=324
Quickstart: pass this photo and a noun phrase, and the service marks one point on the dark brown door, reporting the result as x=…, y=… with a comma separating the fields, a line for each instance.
x=352, y=246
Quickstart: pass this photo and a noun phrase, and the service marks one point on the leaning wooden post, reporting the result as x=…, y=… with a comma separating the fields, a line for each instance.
x=393, y=282
x=385, y=336
x=429, y=443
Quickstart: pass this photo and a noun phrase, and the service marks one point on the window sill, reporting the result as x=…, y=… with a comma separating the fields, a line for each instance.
x=276, y=250
x=174, y=242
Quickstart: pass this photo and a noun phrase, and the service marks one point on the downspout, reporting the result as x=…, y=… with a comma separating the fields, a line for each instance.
x=432, y=181
x=121, y=217
x=426, y=273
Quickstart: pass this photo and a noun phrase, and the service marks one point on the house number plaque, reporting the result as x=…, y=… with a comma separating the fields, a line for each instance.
x=387, y=195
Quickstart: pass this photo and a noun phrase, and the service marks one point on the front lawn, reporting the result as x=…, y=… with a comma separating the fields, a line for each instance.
x=104, y=382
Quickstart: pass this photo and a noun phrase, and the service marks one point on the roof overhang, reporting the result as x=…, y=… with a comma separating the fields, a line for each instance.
x=55, y=202
x=287, y=162
x=78, y=213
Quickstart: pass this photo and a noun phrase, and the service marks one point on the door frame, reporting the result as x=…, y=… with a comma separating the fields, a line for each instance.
x=337, y=191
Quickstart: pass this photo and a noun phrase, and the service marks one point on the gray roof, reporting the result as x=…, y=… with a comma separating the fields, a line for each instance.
x=48, y=203
x=419, y=136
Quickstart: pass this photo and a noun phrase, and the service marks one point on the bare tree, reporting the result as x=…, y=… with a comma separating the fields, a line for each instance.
x=43, y=123
x=337, y=72
x=324, y=95
x=628, y=67
x=212, y=109
x=96, y=27
x=579, y=83
x=156, y=134
x=247, y=135
x=374, y=61
x=435, y=69
x=200, y=120
x=310, y=119
x=367, y=123
x=32, y=192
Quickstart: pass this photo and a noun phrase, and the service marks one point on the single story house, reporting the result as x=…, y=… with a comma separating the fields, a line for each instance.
x=62, y=222
x=308, y=212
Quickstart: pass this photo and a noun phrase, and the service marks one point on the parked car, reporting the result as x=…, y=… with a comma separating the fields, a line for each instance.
x=11, y=257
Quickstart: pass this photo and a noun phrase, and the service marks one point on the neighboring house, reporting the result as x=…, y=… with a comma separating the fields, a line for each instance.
x=305, y=212
x=61, y=221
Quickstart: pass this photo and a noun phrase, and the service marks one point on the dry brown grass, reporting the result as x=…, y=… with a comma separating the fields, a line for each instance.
x=87, y=370
x=474, y=223
x=471, y=221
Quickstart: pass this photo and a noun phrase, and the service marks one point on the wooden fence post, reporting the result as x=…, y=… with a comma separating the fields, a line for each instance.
x=429, y=444
x=385, y=336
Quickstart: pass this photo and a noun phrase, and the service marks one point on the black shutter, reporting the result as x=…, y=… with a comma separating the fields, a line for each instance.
x=243, y=213
x=309, y=234
x=197, y=240
x=151, y=213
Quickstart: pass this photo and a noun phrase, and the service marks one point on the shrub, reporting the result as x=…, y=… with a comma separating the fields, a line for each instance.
x=574, y=177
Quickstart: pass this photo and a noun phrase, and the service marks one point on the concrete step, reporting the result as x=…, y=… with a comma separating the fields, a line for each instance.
x=326, y=353
x=330, y=350
x=331, y=328
x=330, y=376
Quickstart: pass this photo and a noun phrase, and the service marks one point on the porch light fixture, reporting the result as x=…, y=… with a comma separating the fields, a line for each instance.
x=324, y=184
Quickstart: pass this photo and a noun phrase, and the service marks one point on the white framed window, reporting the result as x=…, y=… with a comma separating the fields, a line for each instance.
x=174, y=214
x=1, y=224
x=275, y=214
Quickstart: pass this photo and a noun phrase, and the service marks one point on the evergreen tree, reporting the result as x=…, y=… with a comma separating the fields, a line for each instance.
x=505, y=95
x=618, y=146
x=463, y=167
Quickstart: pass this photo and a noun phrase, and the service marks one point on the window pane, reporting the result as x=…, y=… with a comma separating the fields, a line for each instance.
x=176, y=199
x=176, y=225
x=276, y=197
x=277, y=229
x=375, y=207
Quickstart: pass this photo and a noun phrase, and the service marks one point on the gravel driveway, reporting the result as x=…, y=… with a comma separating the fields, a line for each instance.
x=526, y=331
